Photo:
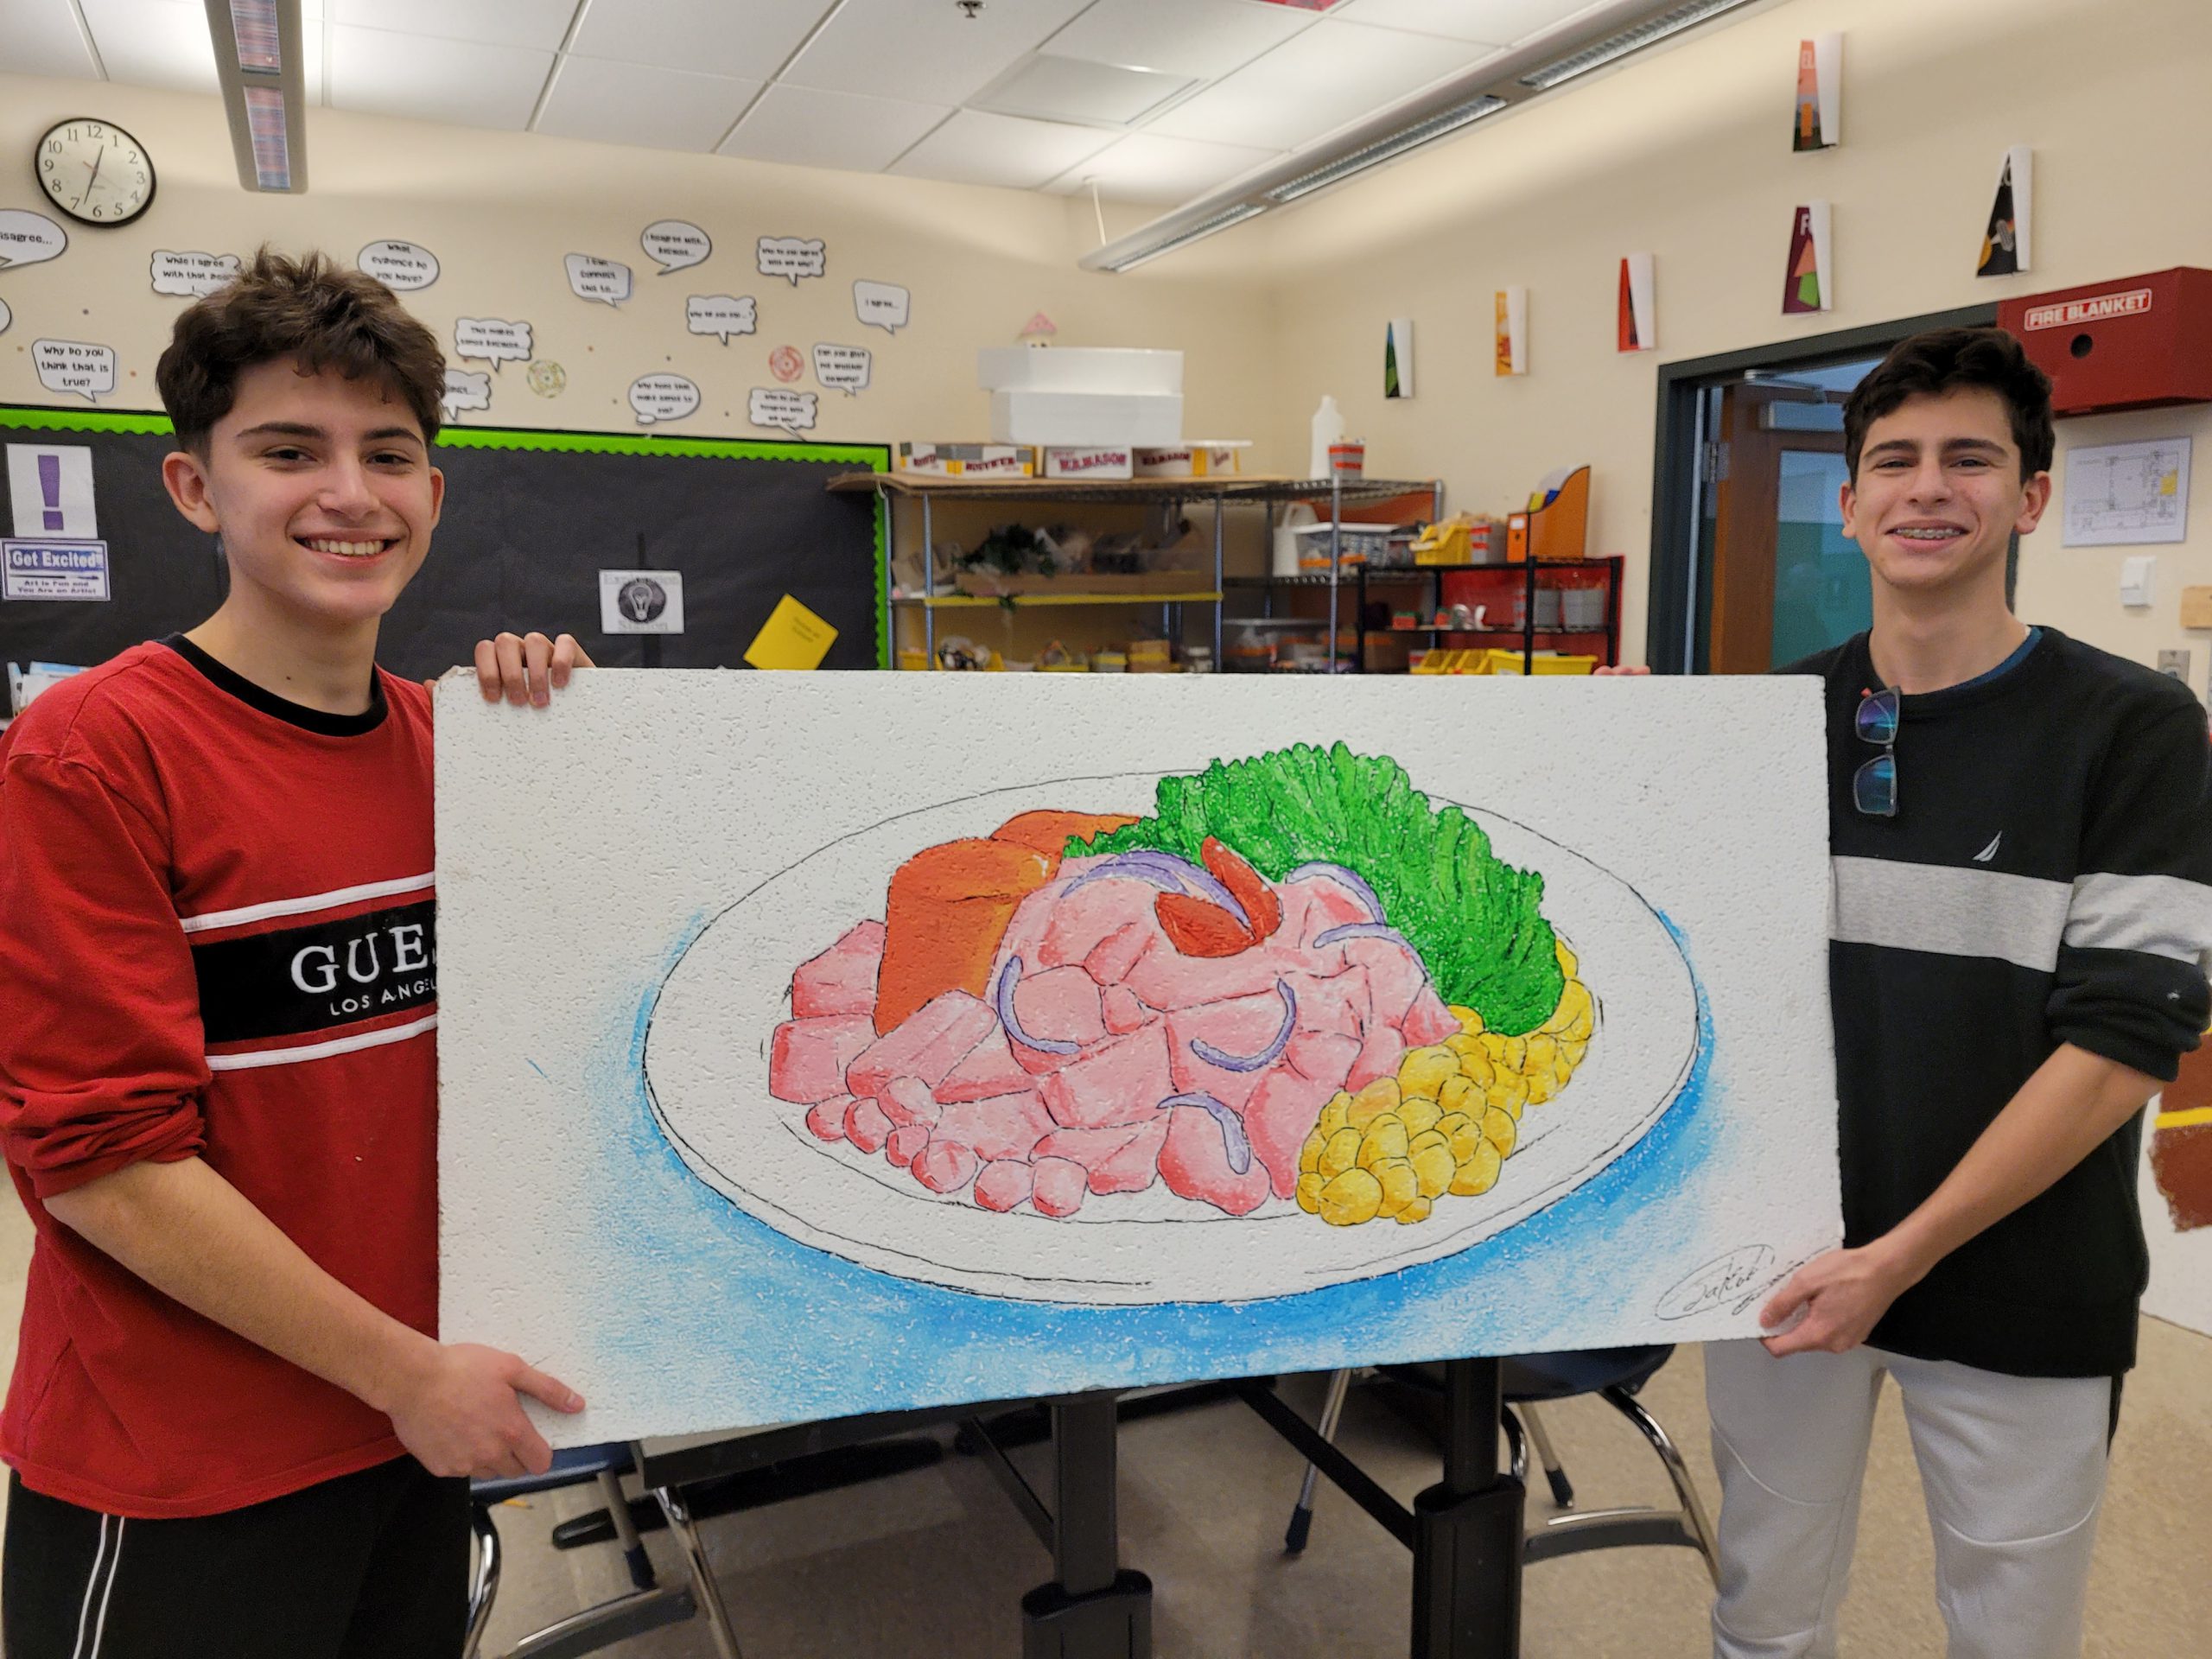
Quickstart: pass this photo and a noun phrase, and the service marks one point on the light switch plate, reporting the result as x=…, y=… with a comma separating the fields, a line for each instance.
x=2138, y=580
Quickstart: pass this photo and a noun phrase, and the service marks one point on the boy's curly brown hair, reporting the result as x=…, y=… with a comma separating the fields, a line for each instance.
x=310, y=310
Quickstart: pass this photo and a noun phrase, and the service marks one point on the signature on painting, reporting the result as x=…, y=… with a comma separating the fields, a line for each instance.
x=1734, y=1281
x=1296, y=979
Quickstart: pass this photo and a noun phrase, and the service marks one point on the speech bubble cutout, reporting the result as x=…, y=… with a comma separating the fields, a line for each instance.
x=400, y=266
x=787, y=411
x=192, y=276
x=75, y=366
x=675, y=245
x=662, y=398
x=721, y=314
x=490, y=340
x=882, y=305
x=607, y=281
x=843, y=368
x=465, y=390
x=6, y=316
x=792, y=256
x=29, y=239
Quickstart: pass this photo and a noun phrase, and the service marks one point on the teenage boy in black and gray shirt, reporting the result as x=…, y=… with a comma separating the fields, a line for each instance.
x=2022, y=831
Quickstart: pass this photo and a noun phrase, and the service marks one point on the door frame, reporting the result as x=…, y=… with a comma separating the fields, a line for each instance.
x=1679, y=593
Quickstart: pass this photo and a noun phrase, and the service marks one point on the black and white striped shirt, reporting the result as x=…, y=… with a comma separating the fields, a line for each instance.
x=2047, y=880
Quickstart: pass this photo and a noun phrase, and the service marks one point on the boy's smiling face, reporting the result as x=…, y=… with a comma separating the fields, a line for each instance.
x=1938, y=494
x=323, y=489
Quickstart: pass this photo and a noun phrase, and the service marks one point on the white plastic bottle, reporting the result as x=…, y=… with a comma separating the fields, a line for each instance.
x=1328, y=429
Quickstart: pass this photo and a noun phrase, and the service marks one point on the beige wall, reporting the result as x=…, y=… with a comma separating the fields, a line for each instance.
x=500, y=211
x=1683, y=152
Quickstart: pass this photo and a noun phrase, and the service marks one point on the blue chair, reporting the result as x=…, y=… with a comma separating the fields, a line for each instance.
x=648, y=1606
x=1615, y=1375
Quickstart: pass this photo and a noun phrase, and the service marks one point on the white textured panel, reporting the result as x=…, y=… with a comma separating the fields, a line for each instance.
x=540, y=23
x=894, y=48
x=1499, y=22
x=633, y=104
x=1069, y=89
x=1332, y=74
x=1144, y=167
x=41, y=37
x=1204, y=39
x=803, y=127
x=624, y=1200
x=471, y=84
x=749, y=39
x=974, y=147
x=154, y=43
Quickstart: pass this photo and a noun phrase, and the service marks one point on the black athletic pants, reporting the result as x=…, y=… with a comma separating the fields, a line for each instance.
x=370, y=1566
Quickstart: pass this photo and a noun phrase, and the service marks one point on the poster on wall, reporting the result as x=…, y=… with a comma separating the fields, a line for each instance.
x=2004, y=242
x=1817, y=120
x=1636, y=328
x=944, y=1042
x=1509, y=307
x=1398, y=357
x=1810, y=284
x=2127, y=495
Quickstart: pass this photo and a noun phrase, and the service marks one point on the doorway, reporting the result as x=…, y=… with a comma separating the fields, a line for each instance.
x=1749, y=569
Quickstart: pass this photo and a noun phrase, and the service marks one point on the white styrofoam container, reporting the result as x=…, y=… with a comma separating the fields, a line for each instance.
x=1084, y=418
x=1078, y=368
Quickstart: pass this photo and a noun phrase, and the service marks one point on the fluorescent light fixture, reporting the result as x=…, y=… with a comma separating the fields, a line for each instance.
x=1375, y=154
x=1598, y=35
x=1129, y=259
x=1648, y=33
x=258, y=59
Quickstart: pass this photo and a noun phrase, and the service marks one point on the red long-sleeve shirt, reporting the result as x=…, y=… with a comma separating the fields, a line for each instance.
x=216, y=939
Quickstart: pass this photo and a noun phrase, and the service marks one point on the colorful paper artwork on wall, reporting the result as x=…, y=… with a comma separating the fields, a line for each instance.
x=1398, y=357
x=1637, y=327
x=2005, y=243
x=1511, y=308
x=2177, y=1196
x=944, y=1042
x=1817, y=119
x=1810, y=284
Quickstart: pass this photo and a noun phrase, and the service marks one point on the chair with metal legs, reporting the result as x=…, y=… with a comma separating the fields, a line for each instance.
x=648, y=1606
x=1614, y=1374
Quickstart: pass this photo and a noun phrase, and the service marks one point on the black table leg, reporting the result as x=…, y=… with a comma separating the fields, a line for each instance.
x=1467, y=1531
x=1092, y=1608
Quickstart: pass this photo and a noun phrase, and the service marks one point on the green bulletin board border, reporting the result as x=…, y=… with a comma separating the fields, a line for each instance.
x=868, y=457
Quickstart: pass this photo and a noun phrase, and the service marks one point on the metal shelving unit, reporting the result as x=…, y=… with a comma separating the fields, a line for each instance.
x=892, y=488
x=1529, y=633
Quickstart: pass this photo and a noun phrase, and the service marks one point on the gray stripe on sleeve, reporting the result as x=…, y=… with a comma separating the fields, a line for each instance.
x=1949, y=912
x=2161, y=915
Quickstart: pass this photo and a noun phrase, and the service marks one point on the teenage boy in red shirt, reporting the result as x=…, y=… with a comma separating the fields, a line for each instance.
x=232, y=1425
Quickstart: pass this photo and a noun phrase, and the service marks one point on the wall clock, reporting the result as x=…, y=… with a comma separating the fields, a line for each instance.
x=94, y=171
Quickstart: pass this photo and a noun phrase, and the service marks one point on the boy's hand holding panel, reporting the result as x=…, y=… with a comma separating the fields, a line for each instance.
x=454, y=1406
x=527, y=669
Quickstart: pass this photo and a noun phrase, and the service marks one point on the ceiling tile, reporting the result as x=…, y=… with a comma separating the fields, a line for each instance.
x=749, y=39
x=802, y=127
x=1144, y=167
x=154, y=43
x=1203, y=39
x=540, y=23
x=635, y=103
x=1332, y=74
x=974, y=147
x=928, y=49
x=471, y=84
x=1501, y=22
x=1071, y=89
x=41, y=37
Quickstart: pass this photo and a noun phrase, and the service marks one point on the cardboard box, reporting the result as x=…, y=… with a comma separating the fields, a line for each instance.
x=970, y=460
x=1107, y=462
x=1201, y=458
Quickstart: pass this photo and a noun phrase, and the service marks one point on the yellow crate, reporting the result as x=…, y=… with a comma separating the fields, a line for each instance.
x=1508, y=662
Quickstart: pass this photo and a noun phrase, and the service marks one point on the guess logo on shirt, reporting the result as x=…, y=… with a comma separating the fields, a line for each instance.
x=318, y=975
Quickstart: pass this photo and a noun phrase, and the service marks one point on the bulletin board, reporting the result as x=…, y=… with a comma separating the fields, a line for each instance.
x=530, y=519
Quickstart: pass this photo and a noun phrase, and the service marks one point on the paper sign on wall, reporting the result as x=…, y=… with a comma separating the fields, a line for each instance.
x=51, y=569
x=794, y=637
x=641, y=601
x=1638, y=326
x=1511, y=306
x=1810, y=284
x=50, y=490
x=2004, y=244
x=1817, y=120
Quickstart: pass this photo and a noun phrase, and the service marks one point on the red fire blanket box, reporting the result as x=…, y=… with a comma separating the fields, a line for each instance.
x=2136, y=342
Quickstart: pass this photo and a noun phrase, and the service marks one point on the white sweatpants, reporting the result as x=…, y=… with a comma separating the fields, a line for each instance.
x=2012, y=1469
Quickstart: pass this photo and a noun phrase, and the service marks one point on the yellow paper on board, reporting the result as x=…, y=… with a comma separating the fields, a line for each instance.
x=792, y=637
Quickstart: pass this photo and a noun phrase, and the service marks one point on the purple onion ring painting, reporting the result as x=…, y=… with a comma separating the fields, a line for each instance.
x=1212, y=1037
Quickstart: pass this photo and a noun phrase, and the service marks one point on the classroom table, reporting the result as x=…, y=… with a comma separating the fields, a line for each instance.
x=1465, y=1532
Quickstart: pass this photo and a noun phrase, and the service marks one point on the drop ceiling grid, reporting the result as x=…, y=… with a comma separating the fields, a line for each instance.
x=1029, y=94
